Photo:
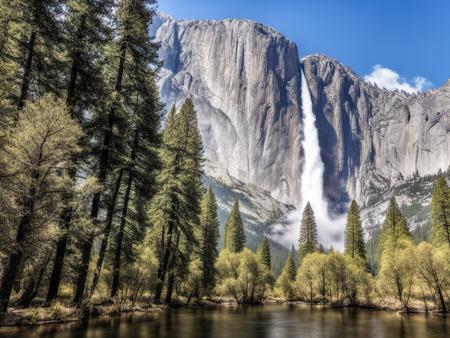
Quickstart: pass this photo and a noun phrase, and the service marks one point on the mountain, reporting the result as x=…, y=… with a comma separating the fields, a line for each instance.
x=245, y=81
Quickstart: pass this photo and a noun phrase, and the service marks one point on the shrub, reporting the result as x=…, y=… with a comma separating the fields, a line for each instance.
x=243, y=277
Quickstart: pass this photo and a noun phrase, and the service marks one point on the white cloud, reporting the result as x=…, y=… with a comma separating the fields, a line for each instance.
x=389, y=79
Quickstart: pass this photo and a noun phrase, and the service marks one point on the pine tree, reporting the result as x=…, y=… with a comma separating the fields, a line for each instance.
x=40, y=53
x=192, y=190
x=208, y=240
x=132, y=57
x=84, y=40
x=440, y=213
x=394, y=228
x=162, y=215
x=140, y=164
x=175, y=209
x=263, y=252
x=290, y=265
x=353, y=234
x=285, y=283
x=234, y=238
x=43, y=140
x=308, y=233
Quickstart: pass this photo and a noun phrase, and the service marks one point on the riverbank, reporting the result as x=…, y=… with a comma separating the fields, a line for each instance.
x=60, y=313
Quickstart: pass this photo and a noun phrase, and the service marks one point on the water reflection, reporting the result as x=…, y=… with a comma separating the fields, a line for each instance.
x=270, y=321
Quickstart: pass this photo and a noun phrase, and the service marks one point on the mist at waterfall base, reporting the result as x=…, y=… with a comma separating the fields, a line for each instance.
x=330, y=228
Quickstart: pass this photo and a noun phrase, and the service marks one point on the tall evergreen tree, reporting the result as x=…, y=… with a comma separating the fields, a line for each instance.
x=84, y=38
x=208, y=238
x=285, y=283
x=234, y=238
x=263, y=252
x=440, y=213
x=141, y=166
x=353, y=234
x=308, y=233
x=131, y=56
x=289, y=268
x=175, y=208
x=191, y=180
x=394, y=227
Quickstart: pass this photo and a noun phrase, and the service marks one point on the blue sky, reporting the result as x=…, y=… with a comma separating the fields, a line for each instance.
x=408, y=40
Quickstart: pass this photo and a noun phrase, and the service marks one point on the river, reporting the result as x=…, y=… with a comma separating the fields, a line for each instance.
x=269, y=321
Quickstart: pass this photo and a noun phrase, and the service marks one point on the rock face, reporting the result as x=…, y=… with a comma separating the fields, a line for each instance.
x=244, y=79
x=371, y=138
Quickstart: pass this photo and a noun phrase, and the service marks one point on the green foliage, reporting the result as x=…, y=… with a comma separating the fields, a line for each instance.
x=398, y=270
x=34, y=179
x=394, y=228
x=34, y=158
x=433, y=272
x=194, y=284
x=263, y=253
x=175, y=209
x=40, y=52
x=440, y=213
x=373, y=251
x=307, y=242
x=285, y=282
x=333, y=278
x=234, y=237
x=208, y=238
x=242, y=276
x=353, y=234
x=10, y=29
x=313, y=276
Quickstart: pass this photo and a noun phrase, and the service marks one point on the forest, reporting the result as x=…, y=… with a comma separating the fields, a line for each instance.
x=102, y=200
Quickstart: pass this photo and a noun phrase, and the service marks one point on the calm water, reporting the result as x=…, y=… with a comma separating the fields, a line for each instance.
x=269, y=321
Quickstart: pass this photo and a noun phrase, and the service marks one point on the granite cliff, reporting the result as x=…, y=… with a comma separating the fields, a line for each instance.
x=245, y=81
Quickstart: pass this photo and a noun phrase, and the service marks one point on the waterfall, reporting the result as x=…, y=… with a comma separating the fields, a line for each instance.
x=330, y=228
x=313, y=168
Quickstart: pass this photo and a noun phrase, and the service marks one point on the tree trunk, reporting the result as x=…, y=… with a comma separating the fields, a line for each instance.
x=119, y=238
x=14, y=260
x=102, y=171
x=123, y=220
x=34, y=283
x=15, y=257
x=9, y=275
x=66, y=215
x=106, y=232
x=55, y=278
x=171, y=279
x=167, y=251
x=27, y=72
x=170, y=284
x=441, y=304
x=165, y=263
x=83, y=270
